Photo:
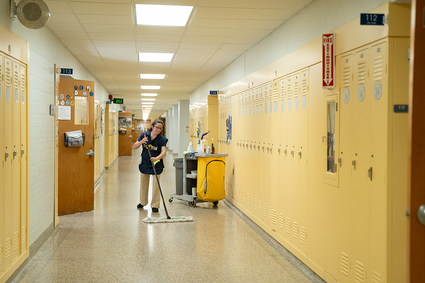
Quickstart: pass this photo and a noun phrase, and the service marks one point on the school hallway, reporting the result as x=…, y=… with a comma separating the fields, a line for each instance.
x=112, y=244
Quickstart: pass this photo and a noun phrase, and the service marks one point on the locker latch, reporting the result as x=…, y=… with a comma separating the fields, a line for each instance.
x=286, y=152
x=339, y=162
x=299, y=154
x=6, y=155
x=14, y=154
x=22, y=152
x=354, y=164
x=369, y=173
x=292, y=153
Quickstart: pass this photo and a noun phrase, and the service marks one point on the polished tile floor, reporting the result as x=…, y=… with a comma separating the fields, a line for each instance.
x=112, y=244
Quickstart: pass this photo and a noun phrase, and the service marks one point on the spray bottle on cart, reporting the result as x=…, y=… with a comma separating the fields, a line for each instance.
x=212, y=146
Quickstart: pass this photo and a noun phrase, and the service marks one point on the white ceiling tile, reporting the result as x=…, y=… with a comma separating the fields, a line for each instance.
x=188, y=45
x=111, y=36
x=102, y=1
x=66, y=28
x=231, y=4
x=58, y=7
x=164, y=47
x=119, y=43
x=272, y=14
x=236, y=46
x=101, y=8
x=252, y=33
x=214, y=23
x=205, y=39
x=83, y=50
x=261, y=24
x=160, y=30
x=286, y=4
x=75, y=41
x=90, y=28
x=193, y=31
x=159, y=38
x=196, y=51
x=244, y=40
x=224, y=13
x=106, y=20
x=71, y=35
x=168, y=2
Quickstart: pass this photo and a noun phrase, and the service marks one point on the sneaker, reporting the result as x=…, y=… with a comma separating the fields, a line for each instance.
x=139, y=206
x=154, y=209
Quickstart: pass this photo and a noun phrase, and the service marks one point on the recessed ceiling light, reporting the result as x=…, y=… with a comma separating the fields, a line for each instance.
x=148, y=103
x=150, y=87
x=155, y=57
x=152, y=76
x=148, y=99
x=162, y=15
x=149, y=94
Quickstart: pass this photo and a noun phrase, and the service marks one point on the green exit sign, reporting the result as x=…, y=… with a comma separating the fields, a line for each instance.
x=118, y=100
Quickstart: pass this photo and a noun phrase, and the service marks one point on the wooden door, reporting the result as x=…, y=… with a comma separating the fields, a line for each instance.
x=97, y=141
x=76, y=167
x=416, y=175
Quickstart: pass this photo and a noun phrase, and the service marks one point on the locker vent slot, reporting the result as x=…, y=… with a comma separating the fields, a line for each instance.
x=361, y=72
x=281, y=221
x=7, y=248
x=255, y=204
x=265, y=210
x=304, y=86
x=282, y=89
x=295, y=230
x=289, y=89
x=376, y=277
x=288, y=225
x=378, y=68
x=259, y=206
x=347, y=76
x=359, y=275
x=303, y=235
x=274, y=216
x=275, y=94
x=296, y=87
x=344, y=264
x=15, y=240
x=256, y=99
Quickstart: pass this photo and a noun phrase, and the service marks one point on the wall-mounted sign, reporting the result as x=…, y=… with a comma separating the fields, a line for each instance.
x=66, y=71
x=118, y=100
x=328, y=60
x=213, y=91
x=372, y=19
x=401, y=108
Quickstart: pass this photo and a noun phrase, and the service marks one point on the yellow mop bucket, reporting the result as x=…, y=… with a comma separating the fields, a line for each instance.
x=210, y=185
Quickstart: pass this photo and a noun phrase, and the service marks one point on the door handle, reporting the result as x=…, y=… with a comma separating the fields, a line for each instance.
x=421, y=214
x=369, y=173
x=354, y=164
x=90, y=153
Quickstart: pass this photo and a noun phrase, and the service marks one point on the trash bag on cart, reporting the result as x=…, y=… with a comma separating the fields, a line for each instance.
x=210, y=185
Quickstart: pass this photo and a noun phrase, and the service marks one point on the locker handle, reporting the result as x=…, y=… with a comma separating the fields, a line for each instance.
x=369, y=173
x=354, y=164
x=278, y=150
x=6, y=155
x=14, y=154
x=299, y=154
x=339, y=162
x=285, y=151
x=292, y=153
x=22, y=152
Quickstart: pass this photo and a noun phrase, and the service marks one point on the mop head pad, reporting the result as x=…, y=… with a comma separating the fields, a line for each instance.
x=165, y=220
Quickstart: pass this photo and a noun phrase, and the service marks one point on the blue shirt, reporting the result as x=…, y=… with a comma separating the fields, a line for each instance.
x=155, y=146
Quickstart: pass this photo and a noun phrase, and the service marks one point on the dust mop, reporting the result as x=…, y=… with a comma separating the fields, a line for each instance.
x=167, y=219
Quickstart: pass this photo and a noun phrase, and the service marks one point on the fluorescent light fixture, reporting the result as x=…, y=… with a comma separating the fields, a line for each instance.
x=150, y=87
x=155, y=57
x=146, y=103
x=148, y=99
x=149, y=94
x=145, y=116
x=152, y=76
x=162, y=15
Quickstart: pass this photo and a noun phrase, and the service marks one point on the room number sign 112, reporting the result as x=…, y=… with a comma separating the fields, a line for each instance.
x=372, y=19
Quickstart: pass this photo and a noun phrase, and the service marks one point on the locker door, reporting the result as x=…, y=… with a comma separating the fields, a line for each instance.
x=295, y=160
x=378, y=184
x=360, y=203
x=282, y=156
x=2, y=156
x=7, y=200
x=348, y=94
x=288, y=158
x=302, y=158
x=274, y=154
x=263, y=122
x=16, y=162
x=23, y=156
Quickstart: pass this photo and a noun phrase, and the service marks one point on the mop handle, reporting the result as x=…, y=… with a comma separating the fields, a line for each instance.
x=159, y=186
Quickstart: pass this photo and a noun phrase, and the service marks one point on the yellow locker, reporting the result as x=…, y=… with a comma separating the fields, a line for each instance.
x=16, y=162
x=347, y=92
x=264, y=122
x=378, y=93
x=360, y=232
x=288, y=160
x=273, y=154
x=283, y=174
x=2, y=155
x=303, y=158
x=7, y=200
x=24, y=157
